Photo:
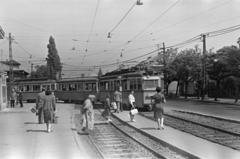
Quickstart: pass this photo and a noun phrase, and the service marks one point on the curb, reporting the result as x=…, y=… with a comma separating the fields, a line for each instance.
x=164, y=143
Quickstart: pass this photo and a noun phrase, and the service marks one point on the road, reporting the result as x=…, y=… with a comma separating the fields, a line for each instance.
x=215, y=109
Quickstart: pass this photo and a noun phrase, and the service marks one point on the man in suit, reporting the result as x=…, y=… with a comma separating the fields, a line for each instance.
x=39, y=106
x=117, y=99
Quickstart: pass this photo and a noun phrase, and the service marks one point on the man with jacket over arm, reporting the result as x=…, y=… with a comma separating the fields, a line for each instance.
x=117, y=99
x=39, y=106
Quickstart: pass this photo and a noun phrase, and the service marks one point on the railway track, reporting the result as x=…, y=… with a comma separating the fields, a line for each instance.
x=118, y=140
x=221, y=131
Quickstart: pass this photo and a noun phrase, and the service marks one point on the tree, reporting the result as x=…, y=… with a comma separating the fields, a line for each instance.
x=41, y=71
x=100, y=72
x=53, y=60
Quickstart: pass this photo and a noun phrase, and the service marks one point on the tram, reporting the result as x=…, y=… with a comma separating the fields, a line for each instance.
x=143, y=85
x=30, y=87
x=76, y=89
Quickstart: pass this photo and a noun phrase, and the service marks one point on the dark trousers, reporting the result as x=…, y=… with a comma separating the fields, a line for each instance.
x=20, y=101
x=121, y=106
x=40, y=115
x=12, y=103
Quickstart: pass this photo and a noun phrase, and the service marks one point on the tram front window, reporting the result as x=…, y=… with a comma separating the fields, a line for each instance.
x=150, y=84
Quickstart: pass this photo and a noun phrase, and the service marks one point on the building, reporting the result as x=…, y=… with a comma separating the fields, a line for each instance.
x=17, y=72
x=3, y=90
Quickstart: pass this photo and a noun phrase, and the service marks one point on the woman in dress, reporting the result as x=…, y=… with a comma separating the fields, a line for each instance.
x=88, y=114
x=107, y=107
x=131, y=100
x=49, y=108
x=159, y=99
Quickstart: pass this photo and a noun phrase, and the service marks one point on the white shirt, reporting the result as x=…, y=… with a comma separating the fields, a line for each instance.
x=131, y=98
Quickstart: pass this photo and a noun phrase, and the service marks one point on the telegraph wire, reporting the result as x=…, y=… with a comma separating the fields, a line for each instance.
x=90, y=31
x=188, y=18
x=122, y=18
x=3, y=42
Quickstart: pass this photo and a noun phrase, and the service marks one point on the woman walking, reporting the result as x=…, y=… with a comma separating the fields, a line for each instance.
x=49, y=108
x=131, y=100
x=88, y=114
x=107, y=107
x=159, y=99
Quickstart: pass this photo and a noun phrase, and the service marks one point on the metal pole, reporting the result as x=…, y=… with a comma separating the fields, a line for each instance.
x=10, y=62
x=31, y=69
x=204, y=66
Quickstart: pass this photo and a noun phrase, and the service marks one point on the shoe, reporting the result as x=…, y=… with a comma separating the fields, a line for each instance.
x=109, y=120
x=162, y=127
x=133, y=120
x=41, y=123
x=48, y=131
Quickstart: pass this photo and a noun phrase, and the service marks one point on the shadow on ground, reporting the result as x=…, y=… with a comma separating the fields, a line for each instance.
x=37, y=131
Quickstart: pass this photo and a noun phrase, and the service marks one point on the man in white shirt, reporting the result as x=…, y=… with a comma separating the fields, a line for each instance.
x=131, y=100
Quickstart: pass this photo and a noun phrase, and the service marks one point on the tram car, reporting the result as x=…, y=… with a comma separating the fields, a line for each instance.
x=76, y=89
x=30, y=87
x=143, y=85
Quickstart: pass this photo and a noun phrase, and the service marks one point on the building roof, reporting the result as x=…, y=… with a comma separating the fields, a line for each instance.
x=13, y=62
x=19, y=71
x=2, y=34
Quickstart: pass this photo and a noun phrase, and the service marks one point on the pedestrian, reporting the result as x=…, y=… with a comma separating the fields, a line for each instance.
x=117, y=99
x=39, y=106
x=49, y=108
x=13, y=98
x=107, y=107
x=20, y=98
x=159, y=99
x=87, y=120
x=131, y=100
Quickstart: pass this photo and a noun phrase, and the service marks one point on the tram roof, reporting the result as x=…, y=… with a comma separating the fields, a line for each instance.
x=83, y=79
x=32, y=79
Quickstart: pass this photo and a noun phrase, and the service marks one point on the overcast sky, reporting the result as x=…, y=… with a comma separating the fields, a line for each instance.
x=74, y=22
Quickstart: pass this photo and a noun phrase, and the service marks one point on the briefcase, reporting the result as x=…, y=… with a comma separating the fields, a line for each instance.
x=33, y=110
x=134, y=111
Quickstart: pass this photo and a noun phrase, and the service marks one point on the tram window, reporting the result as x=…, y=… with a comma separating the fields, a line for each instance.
x=106, y=84
x=80, y=86
x=26, y=88
x=150, y=84
x=139, y=84
x=89, y=86
x=73, y=87
x=133, y=84
x=101, y=86
x=111, y=85
x=36, y=87
x=86, y=86
x=64, y=88
x=124, y=85
x=52, y=87
x=59, y=86
x=94, y=87
x=20, y=88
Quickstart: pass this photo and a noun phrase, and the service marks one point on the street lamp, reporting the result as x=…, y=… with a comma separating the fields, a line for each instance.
x=139, y=2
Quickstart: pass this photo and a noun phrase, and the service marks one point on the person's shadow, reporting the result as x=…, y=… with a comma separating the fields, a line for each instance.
x=37, y=131
x=31, y=123
x=149, y=128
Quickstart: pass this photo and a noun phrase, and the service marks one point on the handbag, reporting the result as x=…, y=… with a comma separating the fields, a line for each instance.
x=114, y=105
x=33, y=110
x=55, y=119
x=134, y=111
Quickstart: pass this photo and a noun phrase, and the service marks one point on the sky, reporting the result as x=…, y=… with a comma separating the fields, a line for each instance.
x=80, y=29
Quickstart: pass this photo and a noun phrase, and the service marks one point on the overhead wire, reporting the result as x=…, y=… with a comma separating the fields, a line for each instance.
x=91, y=30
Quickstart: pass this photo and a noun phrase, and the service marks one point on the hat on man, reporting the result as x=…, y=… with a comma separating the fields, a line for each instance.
x=91, y=96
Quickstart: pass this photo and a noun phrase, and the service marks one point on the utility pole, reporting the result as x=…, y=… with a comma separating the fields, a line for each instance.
x=164, y=72
x=31, y=70
x=10, y=62
x=204, y=67
x=1, y=60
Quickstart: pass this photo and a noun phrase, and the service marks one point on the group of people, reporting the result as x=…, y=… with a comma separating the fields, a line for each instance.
x=16, y=97
x=46, y=108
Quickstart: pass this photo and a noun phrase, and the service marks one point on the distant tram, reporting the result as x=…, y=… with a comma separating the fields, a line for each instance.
x=76, y=89
x=144, y=86
x=30, y=87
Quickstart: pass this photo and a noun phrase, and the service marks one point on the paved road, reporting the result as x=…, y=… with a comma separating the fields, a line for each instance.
x=216, y=109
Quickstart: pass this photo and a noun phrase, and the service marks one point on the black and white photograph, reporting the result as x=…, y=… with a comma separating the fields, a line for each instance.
x=119, y=79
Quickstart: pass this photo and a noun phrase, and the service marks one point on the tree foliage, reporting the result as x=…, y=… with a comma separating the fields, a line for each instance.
x=41, y=71
x=53, y=60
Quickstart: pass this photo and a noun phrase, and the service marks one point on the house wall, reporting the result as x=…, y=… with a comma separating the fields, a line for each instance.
x=3, y=91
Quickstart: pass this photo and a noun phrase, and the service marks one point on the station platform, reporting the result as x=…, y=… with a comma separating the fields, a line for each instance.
x=21, y=137
x=199, y=147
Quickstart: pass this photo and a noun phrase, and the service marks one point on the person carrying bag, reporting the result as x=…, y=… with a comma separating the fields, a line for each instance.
x=133, y=110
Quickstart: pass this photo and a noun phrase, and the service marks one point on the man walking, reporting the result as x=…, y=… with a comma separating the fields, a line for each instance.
x=117, y=99
x=39, y=106
x=20, y=98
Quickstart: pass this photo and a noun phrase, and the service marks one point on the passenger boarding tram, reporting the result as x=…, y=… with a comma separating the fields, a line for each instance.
x=144, y=87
